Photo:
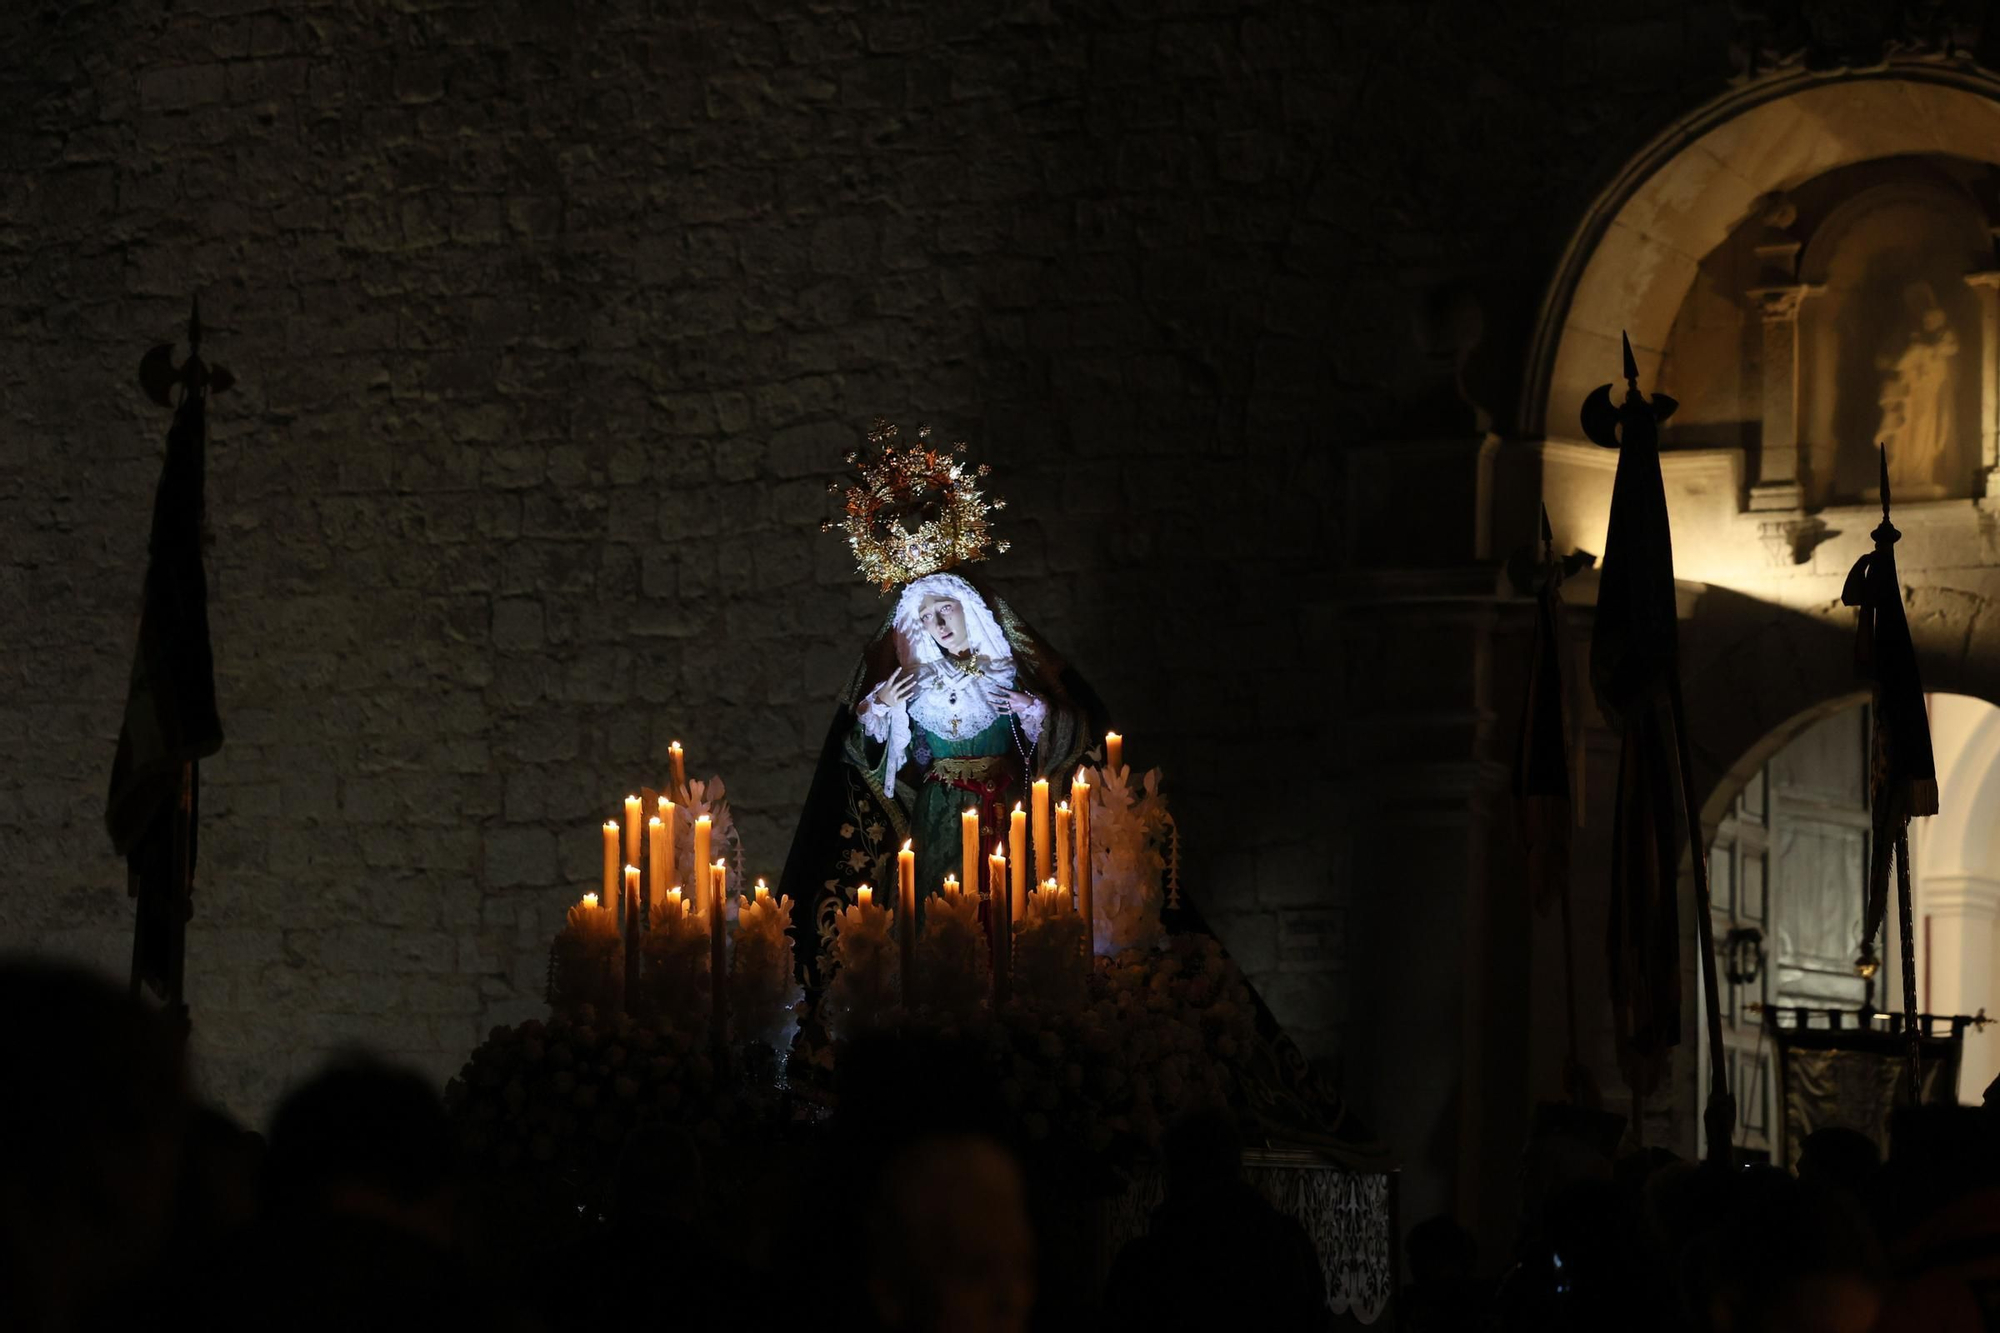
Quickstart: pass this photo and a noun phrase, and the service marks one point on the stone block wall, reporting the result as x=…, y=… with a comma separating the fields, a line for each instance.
x=550, y=325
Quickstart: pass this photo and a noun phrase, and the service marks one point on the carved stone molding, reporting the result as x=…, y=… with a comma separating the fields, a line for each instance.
x=1775, y=35
x=1779, y=305
x=1791, y=542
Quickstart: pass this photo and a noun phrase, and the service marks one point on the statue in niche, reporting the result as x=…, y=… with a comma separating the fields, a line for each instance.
x=1919, y=422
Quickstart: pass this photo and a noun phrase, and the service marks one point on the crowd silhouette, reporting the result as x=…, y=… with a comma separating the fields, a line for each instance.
x=127, y=1204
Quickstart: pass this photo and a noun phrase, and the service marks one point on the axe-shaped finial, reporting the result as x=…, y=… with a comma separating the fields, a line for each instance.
x=1609, y=424
x=158, y=374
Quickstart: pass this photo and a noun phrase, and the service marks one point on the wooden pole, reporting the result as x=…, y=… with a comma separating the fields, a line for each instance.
x=1720, y=1114
x=1912, y=1037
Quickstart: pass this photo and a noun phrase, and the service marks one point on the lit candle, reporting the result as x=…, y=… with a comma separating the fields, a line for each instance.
x=906, y=919
x=632, y=830
x=1114, y=750
x=1001, y=921
x=674, y=902
x=1039, y=804
x=1017, y=852
x=1079, y=799
x=680, y=768
x=610, y=890
x=590, y=902
x=656, y=862
x=1052, y=897
x=968, y=832
x=670, y=874
x=631, y=899
x=864, y=895
x=718, y=993
x=951, y=886
x=763, y=890
x=701, y=885
x=1062, y=845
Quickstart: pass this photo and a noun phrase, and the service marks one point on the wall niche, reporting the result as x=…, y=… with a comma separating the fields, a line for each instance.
x=1851, y=311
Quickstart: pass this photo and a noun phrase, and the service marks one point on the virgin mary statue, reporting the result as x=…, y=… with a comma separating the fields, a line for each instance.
x=955, y=705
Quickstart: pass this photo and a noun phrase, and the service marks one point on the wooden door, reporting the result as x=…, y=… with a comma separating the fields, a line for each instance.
x=1790, y=862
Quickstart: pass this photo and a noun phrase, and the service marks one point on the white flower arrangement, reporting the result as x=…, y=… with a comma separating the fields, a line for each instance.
x=954, y=969
x=764, y=990
x=1131, y=846
x=1049, y=964
x=724, y=842
x=867, y=970
x=674, y=982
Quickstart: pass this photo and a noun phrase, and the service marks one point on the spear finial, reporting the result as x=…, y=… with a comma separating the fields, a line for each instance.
x=1631, y=365
x=1548, y=536
x=1882, y=457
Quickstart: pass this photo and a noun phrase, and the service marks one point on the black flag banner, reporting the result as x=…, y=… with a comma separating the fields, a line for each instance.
x=170, y=717
x=1635, y=669
x=1903, y=771
x=1542, y=785
x=1633, y=645
x=1541, y=780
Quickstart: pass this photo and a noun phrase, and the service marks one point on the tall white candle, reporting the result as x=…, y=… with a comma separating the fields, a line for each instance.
x=701, y=863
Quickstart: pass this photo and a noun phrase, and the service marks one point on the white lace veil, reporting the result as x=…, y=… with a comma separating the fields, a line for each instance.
x=981, y=630
x=982, y=633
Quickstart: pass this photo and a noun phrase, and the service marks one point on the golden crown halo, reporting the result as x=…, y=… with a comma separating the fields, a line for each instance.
x=912, y=510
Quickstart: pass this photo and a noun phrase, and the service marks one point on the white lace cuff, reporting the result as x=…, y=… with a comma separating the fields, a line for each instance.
x=875, y=722
x=1032, y=718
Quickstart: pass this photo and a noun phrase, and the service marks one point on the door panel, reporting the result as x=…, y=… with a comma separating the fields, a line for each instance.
x=1789, y=861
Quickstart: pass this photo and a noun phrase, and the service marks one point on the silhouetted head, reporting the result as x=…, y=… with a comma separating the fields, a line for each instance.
x=1440, y=1250
x=363, y=1138
x=1839, y=1158
x=949, y=1242
x=1777, y=1256
x=90, y=1126
x=1203, y=1149
x=221, y=1179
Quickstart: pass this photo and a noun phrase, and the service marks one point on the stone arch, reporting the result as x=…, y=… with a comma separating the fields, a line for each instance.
x=1757, y=674
x=1631, y=262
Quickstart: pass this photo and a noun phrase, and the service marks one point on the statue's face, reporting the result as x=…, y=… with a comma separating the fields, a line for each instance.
x=944, y=619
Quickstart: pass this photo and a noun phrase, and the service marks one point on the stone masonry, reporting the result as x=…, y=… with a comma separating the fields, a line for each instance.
x=551, y=323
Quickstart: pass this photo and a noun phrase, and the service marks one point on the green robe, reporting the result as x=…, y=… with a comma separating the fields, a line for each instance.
x=935, y=807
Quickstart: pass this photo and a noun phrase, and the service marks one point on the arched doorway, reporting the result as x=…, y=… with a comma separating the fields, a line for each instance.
x=1775, y=179
x=1788, y=863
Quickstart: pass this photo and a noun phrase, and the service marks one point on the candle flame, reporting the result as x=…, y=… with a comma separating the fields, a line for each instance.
x=590, y=900
x=610, y=826
x=1000, y=850
x=654, y=822
x=908, y=843
x=1017, y=807
x=675, y=747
